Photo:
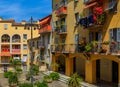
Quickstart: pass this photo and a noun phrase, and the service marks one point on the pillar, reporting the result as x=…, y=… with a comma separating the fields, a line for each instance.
x=90, y=71
x=54, y=66
x=69, y=66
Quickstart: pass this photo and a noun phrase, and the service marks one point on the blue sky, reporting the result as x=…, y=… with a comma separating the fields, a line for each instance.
x=24, y=9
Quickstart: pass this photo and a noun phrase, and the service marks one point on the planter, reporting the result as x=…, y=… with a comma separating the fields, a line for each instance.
x=48, y=80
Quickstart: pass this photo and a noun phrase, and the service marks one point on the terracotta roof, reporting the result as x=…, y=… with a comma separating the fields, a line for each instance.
x=7, y=20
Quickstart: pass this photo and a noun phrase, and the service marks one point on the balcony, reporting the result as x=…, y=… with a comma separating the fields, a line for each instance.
x=92, y=21
x=15, y=50
x=62, y=30
x=98, y=48
x=62, y=11
x=5, y=62
x=16, y=41
x=45, y=29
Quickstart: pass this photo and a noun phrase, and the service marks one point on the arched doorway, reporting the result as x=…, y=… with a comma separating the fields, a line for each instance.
x=79, y=66
x=107, y=72
x=61, y=64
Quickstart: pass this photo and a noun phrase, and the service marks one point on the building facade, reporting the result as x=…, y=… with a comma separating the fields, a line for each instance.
x=45, y=32
x=13, y=43
x=86, y=39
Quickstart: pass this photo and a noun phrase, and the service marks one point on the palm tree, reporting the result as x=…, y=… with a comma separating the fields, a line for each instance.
x=74, y=81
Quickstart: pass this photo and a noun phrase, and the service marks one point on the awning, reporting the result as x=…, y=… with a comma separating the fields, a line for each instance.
x=5, y=54
x=90, y=5
x=44, y=21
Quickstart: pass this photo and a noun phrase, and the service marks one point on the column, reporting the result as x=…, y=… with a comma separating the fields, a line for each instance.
x=90, y=72
x=11, y=44
x=118, y=74
x=54, y=67
x=69, y=66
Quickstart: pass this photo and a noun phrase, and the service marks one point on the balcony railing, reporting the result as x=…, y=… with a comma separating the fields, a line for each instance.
x=45, y=29
x=5, y=50
x=16, y=41
x=99, y=48
x=16, y=57
x=61, y=11
x=4, y=62
x=16, y=50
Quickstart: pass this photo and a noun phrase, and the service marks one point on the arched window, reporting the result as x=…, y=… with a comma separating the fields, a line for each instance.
x=5, y=38
x=16, y=38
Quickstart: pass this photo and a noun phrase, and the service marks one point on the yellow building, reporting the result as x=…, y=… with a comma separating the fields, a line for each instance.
x=36, y=49
x=13, y=43
x=78, y=23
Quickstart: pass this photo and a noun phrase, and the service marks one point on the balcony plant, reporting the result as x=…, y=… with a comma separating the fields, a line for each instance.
x=106, y=42
x=74, y=81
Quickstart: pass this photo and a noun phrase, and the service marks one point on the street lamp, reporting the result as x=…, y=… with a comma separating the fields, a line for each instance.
x=31, y=25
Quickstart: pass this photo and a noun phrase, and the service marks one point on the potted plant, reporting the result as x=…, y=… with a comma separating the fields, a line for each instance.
x=74, y=81
x=47, y=78
x=41, y=84
x=106, y=42
x=7, y=74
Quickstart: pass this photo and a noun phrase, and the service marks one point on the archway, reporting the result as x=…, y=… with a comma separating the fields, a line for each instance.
x=61, y=64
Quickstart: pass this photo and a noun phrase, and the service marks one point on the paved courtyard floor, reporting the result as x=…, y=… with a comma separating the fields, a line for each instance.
x=22, y=79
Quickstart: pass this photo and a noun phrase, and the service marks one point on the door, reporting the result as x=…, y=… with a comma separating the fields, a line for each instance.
x=98, y=70
x=114, y=72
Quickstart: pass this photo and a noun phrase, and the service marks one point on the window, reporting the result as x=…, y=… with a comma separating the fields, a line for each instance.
x=25, y=36
x=56, y=41
x=24, y=58
x=33, y=43
x=112, y=6
x=25, y=47
x=77, y=17
x=5, y=26
x=118, y=34
x=56, y=6
x=85, y=1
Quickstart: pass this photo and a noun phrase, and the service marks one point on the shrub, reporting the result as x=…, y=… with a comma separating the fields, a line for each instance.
x=25, y=85
x=7, y=74
x=54, y=75
x=35, y=70
x=41, y=84
x=28, y=76
x=13, y=79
